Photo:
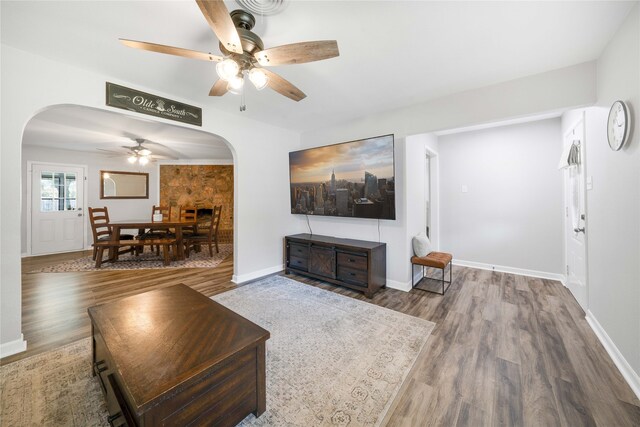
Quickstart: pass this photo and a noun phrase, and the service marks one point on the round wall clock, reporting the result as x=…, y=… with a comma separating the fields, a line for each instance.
x=618, y=125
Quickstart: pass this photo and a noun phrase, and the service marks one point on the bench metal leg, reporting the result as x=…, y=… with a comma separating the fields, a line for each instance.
x=443, y=281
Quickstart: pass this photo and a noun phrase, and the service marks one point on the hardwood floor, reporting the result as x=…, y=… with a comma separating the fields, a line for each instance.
x=506, y=349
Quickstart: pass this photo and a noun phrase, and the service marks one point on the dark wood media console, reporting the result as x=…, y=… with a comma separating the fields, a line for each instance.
x=356, y=264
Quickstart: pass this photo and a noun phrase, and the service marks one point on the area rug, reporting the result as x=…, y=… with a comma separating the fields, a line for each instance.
x=331, y=361
x=146, y=260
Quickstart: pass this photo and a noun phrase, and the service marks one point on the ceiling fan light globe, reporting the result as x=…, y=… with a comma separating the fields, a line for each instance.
x=227, y=69
x=132, y=159
x=235, y=84
x=144, y=152
x=258, y=78
x=143, y=160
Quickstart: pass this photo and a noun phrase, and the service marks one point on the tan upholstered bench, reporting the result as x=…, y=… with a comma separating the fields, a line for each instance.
x=439, y=260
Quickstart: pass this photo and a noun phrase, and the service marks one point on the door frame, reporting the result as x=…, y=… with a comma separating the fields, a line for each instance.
x=85, y=193
x=434, y=197
x=581, y=121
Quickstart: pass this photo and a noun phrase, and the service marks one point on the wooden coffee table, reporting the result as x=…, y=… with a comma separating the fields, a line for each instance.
x=175, y=357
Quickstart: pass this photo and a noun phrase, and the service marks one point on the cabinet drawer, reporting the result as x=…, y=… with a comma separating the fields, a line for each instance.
x=353, y=261
x=298, y=250
x=299, y=263
x=102, y=370
x=350, y=275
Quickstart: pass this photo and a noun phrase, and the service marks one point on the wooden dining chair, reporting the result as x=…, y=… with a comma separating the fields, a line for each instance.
x=158, y=234
x=209, y=237
x=101, y=230
x=189, y=213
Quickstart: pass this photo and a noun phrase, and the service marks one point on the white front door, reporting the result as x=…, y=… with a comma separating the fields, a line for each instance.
x=57, y=215
x=576, y=220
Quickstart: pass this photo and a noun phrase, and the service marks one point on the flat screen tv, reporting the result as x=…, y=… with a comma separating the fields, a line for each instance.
x=350, y=179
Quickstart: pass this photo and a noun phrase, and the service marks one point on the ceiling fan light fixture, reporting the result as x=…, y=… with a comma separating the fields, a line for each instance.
x=235, y=84
x=258, y=78
x=227, y=69
x=143, y=160
x=132, y=159
x=144, y=152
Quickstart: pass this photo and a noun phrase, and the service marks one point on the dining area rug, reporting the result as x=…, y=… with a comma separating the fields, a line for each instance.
x=145, y=260
x=331, y=360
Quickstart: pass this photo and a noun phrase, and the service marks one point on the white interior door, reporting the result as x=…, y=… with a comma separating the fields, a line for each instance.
x=576, y=220
x=57, y=216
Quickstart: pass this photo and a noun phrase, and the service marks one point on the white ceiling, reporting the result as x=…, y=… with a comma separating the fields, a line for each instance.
x=72, y=127
x=392, y=53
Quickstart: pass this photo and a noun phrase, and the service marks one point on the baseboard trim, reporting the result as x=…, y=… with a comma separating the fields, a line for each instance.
x=401, y=286
x=242, y=278
x=512, y=270
x=621, y=363
x=12, y=347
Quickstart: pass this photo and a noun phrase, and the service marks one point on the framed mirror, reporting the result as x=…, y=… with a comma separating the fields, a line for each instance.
x=124, y=185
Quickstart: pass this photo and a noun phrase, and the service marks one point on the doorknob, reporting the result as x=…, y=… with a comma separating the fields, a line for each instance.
x=79, y=214
x=578, y=230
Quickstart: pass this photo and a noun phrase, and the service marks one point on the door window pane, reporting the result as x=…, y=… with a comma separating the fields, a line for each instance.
x=58, y=191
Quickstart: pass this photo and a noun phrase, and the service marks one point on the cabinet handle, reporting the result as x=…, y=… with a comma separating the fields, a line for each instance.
x=352, y=274
x=352, y=260
x=97, y=368
x=112, y=418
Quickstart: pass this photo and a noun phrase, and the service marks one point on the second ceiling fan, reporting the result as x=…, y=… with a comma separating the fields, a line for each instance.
x=244, y=52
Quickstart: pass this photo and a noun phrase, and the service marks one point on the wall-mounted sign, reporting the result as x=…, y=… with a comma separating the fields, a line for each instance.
x=153, y=105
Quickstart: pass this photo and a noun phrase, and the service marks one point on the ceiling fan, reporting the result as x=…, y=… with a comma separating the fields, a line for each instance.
x=138, y=153
x=244, y=52
x=142, y=155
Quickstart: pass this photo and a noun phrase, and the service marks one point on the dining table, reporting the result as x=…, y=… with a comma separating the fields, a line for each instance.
x=144, y=224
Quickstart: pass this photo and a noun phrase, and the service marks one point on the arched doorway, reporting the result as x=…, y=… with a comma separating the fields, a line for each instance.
x=97, y=140
x=93, y=138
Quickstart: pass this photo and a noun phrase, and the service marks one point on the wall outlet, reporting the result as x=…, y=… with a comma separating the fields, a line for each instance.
x=589, y=183
x=464, y=188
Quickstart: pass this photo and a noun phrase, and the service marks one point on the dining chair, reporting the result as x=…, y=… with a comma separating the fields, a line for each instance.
x=189, y=213
x=101, y=230
x=158, y=234
x=209, y=237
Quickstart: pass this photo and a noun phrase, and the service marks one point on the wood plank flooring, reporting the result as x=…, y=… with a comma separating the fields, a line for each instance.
x=506, y=350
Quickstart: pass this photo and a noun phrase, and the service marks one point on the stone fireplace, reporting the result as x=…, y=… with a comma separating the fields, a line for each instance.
x=202, y=186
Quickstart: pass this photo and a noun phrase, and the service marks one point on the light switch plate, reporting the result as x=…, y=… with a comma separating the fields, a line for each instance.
x=589, y=183
x=465, y=189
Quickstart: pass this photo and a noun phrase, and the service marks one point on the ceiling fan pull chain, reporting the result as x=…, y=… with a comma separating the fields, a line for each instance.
x=243, y=105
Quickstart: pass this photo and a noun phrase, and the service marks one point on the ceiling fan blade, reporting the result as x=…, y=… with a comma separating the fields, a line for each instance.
x=298, y=53
x=109, y=153
x=217, y=15
x=283, y=87
x=163, y=150
x=160, y=48
x=219, y=88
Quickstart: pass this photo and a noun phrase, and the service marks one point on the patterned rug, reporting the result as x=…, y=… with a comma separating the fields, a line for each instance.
x=146, y=260
x=331, y=361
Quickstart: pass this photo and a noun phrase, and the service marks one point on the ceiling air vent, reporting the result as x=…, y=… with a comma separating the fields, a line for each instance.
x=263, y=7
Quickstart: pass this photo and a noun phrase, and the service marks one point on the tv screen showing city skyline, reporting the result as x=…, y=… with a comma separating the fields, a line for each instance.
x=350, y=179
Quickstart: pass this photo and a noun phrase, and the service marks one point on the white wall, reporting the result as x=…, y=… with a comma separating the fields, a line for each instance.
x=613, y=205
x=118, y=209
x=552, y=91
x=31, y=83
x=511, y=214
